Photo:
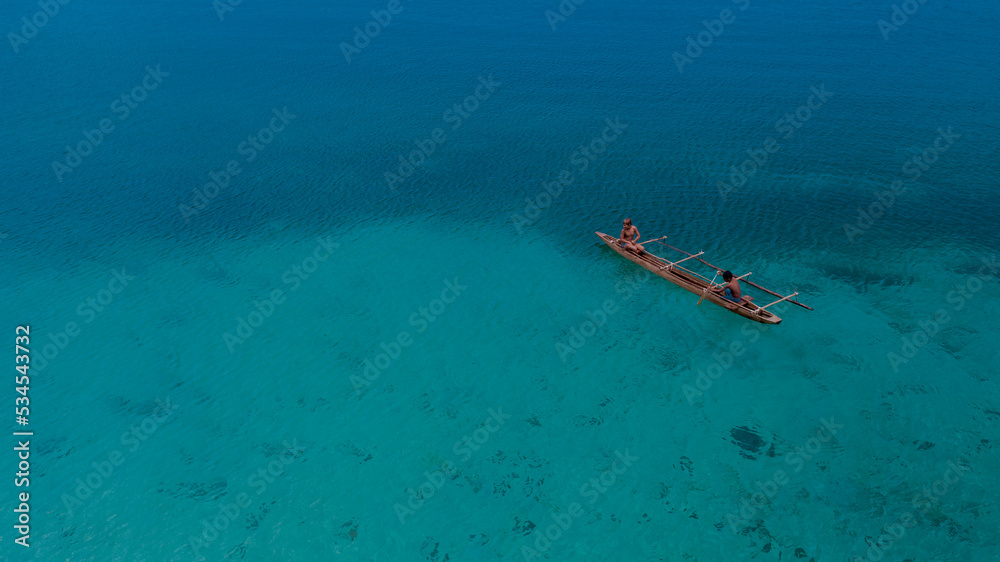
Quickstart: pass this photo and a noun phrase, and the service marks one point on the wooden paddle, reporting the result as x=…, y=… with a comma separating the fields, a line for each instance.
x=705, y=291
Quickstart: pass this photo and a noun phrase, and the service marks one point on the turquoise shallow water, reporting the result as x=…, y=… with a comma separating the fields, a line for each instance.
x=632, y=386
x=202, y=384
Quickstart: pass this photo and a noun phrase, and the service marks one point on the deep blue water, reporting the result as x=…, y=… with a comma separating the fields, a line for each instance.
x=466, y=281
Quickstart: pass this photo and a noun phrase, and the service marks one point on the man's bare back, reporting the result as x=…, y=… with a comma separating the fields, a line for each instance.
x=730, y=290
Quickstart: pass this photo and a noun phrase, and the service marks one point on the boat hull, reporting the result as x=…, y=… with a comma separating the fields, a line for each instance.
x=689, y=280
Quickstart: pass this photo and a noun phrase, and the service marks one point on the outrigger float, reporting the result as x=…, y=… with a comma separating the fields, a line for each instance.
x=698, y=284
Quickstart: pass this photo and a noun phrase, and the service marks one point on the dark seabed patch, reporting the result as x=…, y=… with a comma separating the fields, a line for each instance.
x=748, y=440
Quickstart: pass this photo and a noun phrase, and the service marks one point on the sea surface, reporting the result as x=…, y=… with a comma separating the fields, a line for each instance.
x=318, y=280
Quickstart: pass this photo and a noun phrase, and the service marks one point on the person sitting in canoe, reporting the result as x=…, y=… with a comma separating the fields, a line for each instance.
x=630, y=237
x=730, y=290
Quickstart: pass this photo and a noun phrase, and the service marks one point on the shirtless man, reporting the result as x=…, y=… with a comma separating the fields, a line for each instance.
x=630, y=237
x=730, y=290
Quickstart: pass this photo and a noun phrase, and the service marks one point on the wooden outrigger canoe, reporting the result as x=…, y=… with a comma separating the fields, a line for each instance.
x=696, y=283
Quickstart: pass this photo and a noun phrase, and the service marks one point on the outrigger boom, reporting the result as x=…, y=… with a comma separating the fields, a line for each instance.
x=748, y=282
x=670, y=264
x=777, y=301
x=699, y=284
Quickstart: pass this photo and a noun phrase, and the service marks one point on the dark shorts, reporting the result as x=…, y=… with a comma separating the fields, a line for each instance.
x=729, y=295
